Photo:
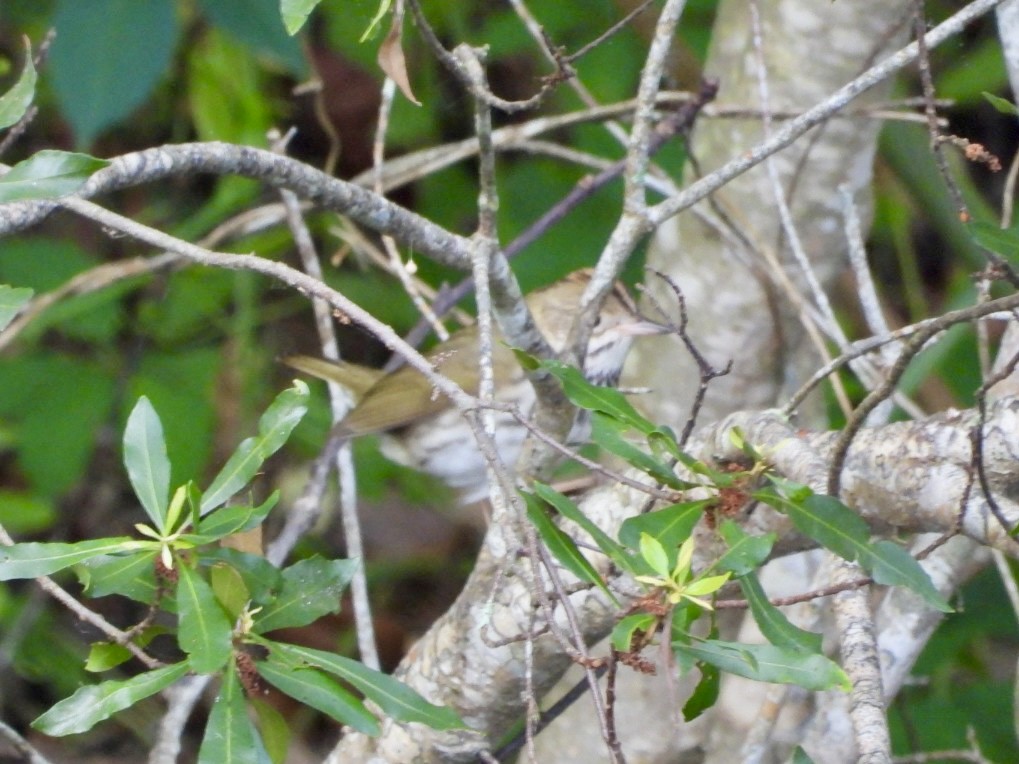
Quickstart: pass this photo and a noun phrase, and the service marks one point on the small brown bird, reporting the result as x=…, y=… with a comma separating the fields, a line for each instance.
x=421, y=429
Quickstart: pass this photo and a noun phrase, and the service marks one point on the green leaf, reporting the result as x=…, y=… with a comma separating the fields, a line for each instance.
x=258, y=24
x=295, y=13
x=148, y=467
x=229, y=520
x=891, y=565
x=320, y=692
x=94, y=703
x=836, y=527
x=274, y=428
x=29, y=560
x=26, y=512
x=311, y=588
x=561, y=545
x=380, y=14
x=624, y=630
x=587, y=395
x=274, y=729
x=108, y=57
x=12, y=300
x=654, y=555
x=204, y=632
x=705, y=693
x=772, y=622
x=670, y=526
x=129, y=575
x=768, y=663
x=103, y=656
x=395, y=698
x=1004, y=241
x=48, y=174
x=800, y=757
x=571, y=511
x=15, y=102
x=745, y=553
x=228, y=586
x=1001, y=104
x=262, y=579
x=230, y=737
x=607, y=433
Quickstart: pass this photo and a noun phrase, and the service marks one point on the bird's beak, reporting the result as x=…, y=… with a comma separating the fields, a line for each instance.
x=643, y=327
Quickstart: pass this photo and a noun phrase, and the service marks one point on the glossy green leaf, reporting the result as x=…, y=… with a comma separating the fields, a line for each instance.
x=571, y=511
x=204, y=631
x=562, y=547
x=107, y=58
x=274, y=428
x=230, y=737
x=705, y=693
x=148, y=467
x=15, y=102
x=311, y=588
x=395, y=698
x=606, y=433
x=33, y=559
x=319, y=691
x=745, y=553
x=94, y=703
x=48, y=174
x=768, y=663
x=129, y=575
x=773, y=623
x=627, y=626
x=295, y=13
x=12, y=300
x=671, y=525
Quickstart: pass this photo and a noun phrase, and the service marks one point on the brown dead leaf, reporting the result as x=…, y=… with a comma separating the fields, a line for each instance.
x=392, y=62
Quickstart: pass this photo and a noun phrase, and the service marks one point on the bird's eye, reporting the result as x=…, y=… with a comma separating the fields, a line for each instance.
x=597, y=321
